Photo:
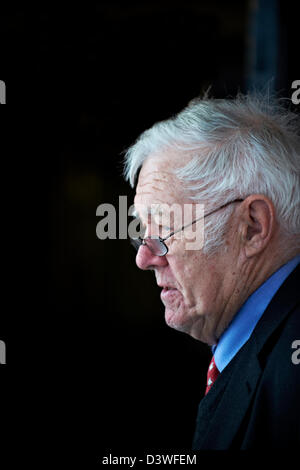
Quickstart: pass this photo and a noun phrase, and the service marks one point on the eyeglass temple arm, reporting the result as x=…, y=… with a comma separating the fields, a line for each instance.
x=206, y=215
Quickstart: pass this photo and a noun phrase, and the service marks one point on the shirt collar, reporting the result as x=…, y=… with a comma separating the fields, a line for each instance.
x=244, y=322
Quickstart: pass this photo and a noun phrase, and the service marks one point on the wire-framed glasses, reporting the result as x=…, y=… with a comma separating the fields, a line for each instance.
x=157, y=244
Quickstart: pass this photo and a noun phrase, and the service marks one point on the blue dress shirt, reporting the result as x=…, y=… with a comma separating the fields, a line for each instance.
x=244, y=322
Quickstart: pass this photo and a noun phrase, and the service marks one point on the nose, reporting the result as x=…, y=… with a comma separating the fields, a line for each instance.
x=145, y=259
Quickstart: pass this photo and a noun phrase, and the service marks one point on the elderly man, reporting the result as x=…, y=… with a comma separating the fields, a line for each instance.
x=239, y=292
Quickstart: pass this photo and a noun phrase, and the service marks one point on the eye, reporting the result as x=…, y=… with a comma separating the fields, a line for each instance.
x=164, y=230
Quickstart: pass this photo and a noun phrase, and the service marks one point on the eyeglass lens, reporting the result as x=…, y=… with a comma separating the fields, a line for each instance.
x=155, y=245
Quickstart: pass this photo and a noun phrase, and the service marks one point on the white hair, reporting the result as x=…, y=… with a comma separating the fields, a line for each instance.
x=246, y=145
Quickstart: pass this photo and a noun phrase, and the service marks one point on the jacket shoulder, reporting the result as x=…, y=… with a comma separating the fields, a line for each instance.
x=273, y=419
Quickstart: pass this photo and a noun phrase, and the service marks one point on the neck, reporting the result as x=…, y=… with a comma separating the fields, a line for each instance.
x=253, y=274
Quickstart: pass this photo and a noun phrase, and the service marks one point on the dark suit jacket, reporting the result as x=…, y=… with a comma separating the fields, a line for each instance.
x=255, y=401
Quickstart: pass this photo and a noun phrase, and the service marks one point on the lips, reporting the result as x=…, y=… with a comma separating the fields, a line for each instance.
x=168, y=290
x=166, y=286
x=168, y=293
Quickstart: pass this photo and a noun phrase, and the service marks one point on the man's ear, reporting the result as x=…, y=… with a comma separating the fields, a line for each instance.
x=259, y=223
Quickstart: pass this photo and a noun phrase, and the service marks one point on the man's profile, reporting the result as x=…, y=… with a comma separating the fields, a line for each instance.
x=239, y=292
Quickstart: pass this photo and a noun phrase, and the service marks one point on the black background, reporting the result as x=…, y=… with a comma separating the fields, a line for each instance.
x=91, y=366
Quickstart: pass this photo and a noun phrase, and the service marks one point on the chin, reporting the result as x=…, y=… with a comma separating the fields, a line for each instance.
x=194, y=327
x=177, y=320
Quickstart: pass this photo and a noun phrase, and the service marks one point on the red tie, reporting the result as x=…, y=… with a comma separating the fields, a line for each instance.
x=212, y=375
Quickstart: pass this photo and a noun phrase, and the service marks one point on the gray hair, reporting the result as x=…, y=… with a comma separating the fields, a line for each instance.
x=246, y=145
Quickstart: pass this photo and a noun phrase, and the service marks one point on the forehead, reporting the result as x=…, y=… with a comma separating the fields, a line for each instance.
x=157, y=183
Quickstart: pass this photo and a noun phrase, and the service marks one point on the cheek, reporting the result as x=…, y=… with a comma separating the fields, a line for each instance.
x=197, y=279
x=189, y=276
